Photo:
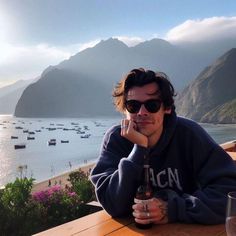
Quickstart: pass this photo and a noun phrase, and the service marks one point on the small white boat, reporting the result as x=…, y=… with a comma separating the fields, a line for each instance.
x=52, y=142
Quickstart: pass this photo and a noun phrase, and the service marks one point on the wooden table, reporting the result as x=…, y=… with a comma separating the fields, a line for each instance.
x=100, y=223
x=233, y=155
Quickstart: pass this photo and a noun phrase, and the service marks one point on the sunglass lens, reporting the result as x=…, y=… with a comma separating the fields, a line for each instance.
x=153, y=105
x=133, y=106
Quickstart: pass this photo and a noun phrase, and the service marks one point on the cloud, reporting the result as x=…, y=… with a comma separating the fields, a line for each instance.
x=27, y=62
x=203, y=30
x=89, y=44
x=129, y=41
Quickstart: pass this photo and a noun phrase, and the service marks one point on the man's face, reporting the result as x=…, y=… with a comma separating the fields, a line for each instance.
x=147, y=123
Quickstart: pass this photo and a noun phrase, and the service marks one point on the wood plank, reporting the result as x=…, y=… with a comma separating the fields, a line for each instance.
x=75, y=226
x=101, y=223
x=229, y=146
x=175, y=229
x=106, y=227
x=233, y=155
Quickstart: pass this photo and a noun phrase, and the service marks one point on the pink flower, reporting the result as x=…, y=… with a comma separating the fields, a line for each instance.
x=54, y=189
x=40, y=196
x=72, y=194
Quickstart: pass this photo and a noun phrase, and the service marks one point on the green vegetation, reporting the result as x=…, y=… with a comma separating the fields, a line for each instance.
x=23, y=213
x=82, y=186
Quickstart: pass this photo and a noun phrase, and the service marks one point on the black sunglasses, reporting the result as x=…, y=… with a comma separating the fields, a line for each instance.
x=152, y=105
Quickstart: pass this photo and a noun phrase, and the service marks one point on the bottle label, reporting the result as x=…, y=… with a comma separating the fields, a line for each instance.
x=144, y=202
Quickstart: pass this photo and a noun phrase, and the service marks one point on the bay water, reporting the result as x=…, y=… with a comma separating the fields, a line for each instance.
x=82, y=140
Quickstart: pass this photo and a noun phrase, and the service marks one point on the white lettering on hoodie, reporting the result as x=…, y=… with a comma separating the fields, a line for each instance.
x=166, y=178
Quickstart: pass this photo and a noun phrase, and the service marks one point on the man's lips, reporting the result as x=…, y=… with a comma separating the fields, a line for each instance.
x=143, y=123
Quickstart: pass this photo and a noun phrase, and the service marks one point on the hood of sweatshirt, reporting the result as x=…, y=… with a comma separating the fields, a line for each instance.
x=169, y=126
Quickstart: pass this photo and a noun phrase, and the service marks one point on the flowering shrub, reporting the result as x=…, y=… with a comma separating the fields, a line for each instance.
x=19, y=215
x=23, y=213
x=81, y=185
x=61, y=205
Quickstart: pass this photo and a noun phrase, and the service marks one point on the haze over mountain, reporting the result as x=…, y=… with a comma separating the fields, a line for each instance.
x=211, y=97
x=9, y=96
x=91, y=74
x=64, y=95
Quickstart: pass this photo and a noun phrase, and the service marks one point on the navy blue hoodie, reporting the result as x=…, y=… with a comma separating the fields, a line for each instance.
x=187, y=169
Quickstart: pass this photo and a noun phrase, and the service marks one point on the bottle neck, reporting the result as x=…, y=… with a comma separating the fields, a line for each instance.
x=146, y=170
x=146, y=174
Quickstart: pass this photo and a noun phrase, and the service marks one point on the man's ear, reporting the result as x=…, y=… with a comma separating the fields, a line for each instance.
x=168, y=111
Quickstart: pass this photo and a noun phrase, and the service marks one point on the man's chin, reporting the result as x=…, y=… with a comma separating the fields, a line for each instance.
x=144, y=132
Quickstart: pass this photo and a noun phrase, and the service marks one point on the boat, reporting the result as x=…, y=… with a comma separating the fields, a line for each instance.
x=19, y=127
x=51, y=129
x=30, y=138
x=85, y=136
x=52, y=142
x=14, y=137
x=86, y=127
x=64, y=141
x=80, y=132
x=19, y=146
x=73, y=123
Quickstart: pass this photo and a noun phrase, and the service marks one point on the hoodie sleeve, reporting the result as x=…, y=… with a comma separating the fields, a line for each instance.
x=117, y=173
x=215, y=175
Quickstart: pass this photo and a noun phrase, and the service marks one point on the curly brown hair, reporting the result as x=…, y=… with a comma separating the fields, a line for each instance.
x=140, y=77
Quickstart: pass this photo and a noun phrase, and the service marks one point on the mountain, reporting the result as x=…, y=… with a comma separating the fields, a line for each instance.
x=98, y=69
x=110, y=59
x=9, y=96
x=61, y=93
x=211, y=96
x=225, y=113
x=92, y=72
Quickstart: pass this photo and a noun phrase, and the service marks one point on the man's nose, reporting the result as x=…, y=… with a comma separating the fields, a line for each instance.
x=142, y=110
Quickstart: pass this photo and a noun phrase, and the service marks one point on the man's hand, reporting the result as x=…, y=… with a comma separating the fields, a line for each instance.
x=151, y=211
x=129, y=131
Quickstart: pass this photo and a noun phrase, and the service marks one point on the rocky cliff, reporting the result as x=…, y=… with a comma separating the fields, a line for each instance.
x=211, y=96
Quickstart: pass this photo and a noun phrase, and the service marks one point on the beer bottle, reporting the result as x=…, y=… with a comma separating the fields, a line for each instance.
x=144, y=191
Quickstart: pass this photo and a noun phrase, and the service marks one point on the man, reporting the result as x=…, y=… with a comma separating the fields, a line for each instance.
x=191, y=174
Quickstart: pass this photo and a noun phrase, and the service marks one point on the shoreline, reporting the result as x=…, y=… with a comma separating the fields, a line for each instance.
x=61, y=179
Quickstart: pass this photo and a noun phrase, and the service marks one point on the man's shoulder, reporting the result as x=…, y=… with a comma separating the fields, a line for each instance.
x=113, y=133
x=184, y=122
x=115, y=129
x=190, y=128
x=114, y=140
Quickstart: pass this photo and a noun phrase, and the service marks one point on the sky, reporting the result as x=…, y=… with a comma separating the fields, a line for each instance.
x=37, y=33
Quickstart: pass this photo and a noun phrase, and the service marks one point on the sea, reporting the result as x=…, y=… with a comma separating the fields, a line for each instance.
x=77, y=143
